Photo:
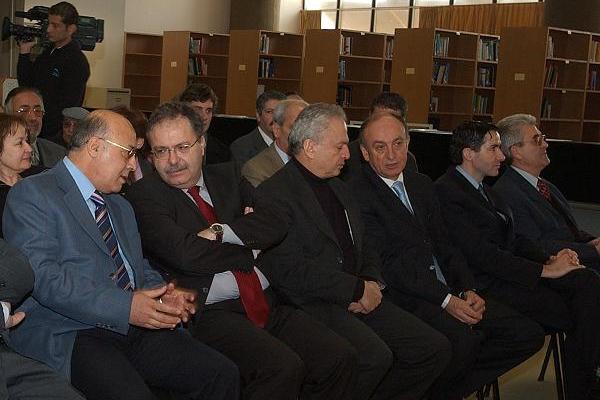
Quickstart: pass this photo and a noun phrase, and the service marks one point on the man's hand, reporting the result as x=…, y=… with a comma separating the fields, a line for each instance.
x=183, y=299
x=371, y=297
x=561, y=264
x=248, y=210
x=475, y=301
x=25, y=47
x=147, y=312
x=207, y=234
x=462, y=311
x=15, y=319
x=356, y=308
x=596, y=244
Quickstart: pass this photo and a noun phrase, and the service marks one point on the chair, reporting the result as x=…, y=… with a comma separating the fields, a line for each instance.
x=484, y=392
x=556, y=349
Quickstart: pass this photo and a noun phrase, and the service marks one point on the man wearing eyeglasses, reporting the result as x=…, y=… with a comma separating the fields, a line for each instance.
x=281, y=352
x=28, y=103
x=98, y=312
x=540, y=210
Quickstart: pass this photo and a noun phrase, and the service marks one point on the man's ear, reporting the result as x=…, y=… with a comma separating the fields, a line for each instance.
x=468, y=153
x=364, y=152
x=93, y=146
x=72, y=28
x=309, y=147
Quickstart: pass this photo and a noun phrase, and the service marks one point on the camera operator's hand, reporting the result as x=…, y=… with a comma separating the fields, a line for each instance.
x=25, y=47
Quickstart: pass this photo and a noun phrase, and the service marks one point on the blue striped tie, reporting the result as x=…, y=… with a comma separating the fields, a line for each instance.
x=120, y=276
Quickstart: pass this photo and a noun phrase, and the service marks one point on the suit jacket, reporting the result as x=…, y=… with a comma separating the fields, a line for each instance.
x=303, y=261
x=538, y=220
x=50, y=152
x=262, y=166
x=169, y=221
x=406, y=243
x=47, y=218
x=487, y=240
x=247, y=146
x=216, y=151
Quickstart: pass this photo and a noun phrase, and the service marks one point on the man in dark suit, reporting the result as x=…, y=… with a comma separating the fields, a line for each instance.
x=554, y=291
x=263, y=165
x=28, y=103
x=540, y=210
x=318, y=260
x=21, y=376
x=98, y=312
x=249, y=145
x=425, y=273
x=287, y=354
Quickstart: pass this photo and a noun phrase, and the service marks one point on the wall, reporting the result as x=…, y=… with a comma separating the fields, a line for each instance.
x=289, y=16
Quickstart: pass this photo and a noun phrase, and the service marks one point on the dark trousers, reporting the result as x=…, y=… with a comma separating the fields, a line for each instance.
x=107, y=365
x=399, y=356
x=481, y=353
x=570, y=304
x=293, y=357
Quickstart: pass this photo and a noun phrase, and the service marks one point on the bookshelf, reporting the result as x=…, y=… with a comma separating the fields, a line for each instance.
x=142, y=69
x=261, y=60
x=556, y=82
x=346, y=67
x=446, y=76
x=194, y=57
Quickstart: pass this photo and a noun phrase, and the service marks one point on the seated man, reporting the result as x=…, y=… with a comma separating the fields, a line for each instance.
x=22, y=377
x=425, y=273
x=263, y=165
x=318, y=260
x=555, y=291
x=280, y=352
x=249, y=145
x=98, y=312
x=540, y=210
x=27, y=102
x=71, y=116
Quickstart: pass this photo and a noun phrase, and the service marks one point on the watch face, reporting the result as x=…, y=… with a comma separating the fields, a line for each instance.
x=216, y=228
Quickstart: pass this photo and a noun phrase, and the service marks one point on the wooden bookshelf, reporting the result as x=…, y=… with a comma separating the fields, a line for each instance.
x=261, y=60
x=446, y=76
x=194, y=57
x=142, y=69
x=553, y=83
x=345, y=67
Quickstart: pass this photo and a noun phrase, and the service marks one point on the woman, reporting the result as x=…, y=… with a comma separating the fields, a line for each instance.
x=15, y=155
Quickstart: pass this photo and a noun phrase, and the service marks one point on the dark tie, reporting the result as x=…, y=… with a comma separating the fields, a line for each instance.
x=251, y=293
x=544, y=189
x=120, y=276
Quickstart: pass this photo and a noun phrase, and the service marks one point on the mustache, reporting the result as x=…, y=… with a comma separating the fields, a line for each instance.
x=175, y=168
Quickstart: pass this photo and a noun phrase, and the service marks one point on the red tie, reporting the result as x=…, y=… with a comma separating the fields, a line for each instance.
x=251, y=293
x=544, y=189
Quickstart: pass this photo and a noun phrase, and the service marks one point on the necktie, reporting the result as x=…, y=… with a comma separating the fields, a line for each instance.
x=251, y=293
x=35, y=154
x=120, y=276
x=544, y=189
x=482, y=192
x=400, y=191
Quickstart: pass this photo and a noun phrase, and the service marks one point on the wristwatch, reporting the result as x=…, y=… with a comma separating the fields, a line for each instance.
x=217, y=229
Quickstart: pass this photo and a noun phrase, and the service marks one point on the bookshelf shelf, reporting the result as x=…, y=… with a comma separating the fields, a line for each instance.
x=142, y=69
x=485, y=88
x=208, y=55
x=194, y=77
x=279, y=55
x=454, y=58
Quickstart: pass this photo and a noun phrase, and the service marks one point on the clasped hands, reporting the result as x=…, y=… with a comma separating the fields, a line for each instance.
x=369, y=301
x=561, y=264
x=468, y=308
x=164, y=307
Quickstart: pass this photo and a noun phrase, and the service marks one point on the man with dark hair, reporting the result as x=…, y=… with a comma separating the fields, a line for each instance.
x=60, y=72
x=249, y=145
x=553, y=290
x=425, y=273
x=98, y=312
x=204, y=101
x=389, y=101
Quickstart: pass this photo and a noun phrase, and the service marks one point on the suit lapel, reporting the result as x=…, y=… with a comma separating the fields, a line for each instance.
x=352, y=212
x=417, y=200
x=473, y=192
x=275, y=162
x=186, y=203
x=532, y=193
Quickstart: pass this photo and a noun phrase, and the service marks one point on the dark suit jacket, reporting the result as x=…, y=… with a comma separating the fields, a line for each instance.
x=216, y=151
x=406, y=243
x=489, y=242
x=50, y=152
x=169, y=221
x=304, y=262
x=262, y=166
x=354, y=164
x=247, y=146
x=536, y=219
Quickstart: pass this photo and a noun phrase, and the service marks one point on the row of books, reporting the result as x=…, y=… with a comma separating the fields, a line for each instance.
x=389, y=48
x=197, y=66
x=486, y=76
x=550, y=48
x=433, y=103
x=199, y=45
x=441, y=43
x=440, y=73
x=481, y=104
x=551, y=76
x=266, y=68
x=344, y=96
x=593, y=80
x=546, y=108
x=488, y=49
x=342, y=70
x=264, y=43
x=595, y=54
x=345, y=45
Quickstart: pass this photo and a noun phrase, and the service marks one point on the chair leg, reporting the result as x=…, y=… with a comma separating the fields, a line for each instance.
x=551, y=348
x=559, y=365
x=496, y=390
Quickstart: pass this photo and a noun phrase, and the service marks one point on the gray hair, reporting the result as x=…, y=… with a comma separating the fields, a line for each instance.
x=312, y=123
x=509, y=129
x=281, y=109
x=8, y=103
x=93, y=125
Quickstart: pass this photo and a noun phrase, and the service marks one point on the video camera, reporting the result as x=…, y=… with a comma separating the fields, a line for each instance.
x=89, y=29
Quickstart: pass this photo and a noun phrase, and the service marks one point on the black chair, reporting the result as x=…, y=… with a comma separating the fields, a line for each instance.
x=556, y=349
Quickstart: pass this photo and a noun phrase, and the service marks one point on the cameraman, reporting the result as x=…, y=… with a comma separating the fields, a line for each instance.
x=59, y=73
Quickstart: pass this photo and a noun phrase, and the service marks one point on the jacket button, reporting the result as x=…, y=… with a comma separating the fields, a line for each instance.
x=431, y=267
x=340, y=260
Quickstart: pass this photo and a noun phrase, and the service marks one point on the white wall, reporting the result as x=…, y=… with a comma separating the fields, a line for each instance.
x=289, y=16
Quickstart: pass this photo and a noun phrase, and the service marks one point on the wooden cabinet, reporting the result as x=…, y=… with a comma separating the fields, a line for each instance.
x=142, y=69
x=258, y=61
x=194, y=57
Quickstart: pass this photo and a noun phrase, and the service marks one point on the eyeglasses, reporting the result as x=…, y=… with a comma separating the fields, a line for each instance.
x=36, y=111
x=162, y=153
x=537, y=139
x=131, y=151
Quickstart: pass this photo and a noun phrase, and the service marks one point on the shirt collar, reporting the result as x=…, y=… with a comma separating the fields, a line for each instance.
x=533, y=180
x=265, y=136
x=468, y=177
x=282, y=154
x=86, y=188
x=390, y=182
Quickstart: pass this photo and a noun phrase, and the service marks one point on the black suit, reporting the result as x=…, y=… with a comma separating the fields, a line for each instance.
x=293, y=350
x=247, y=146
x=552, y=225
x=306, y=264
x=407, y=244
x=508, y=267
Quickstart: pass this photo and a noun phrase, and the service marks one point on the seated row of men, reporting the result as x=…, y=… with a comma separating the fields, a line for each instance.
x=367, y=290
